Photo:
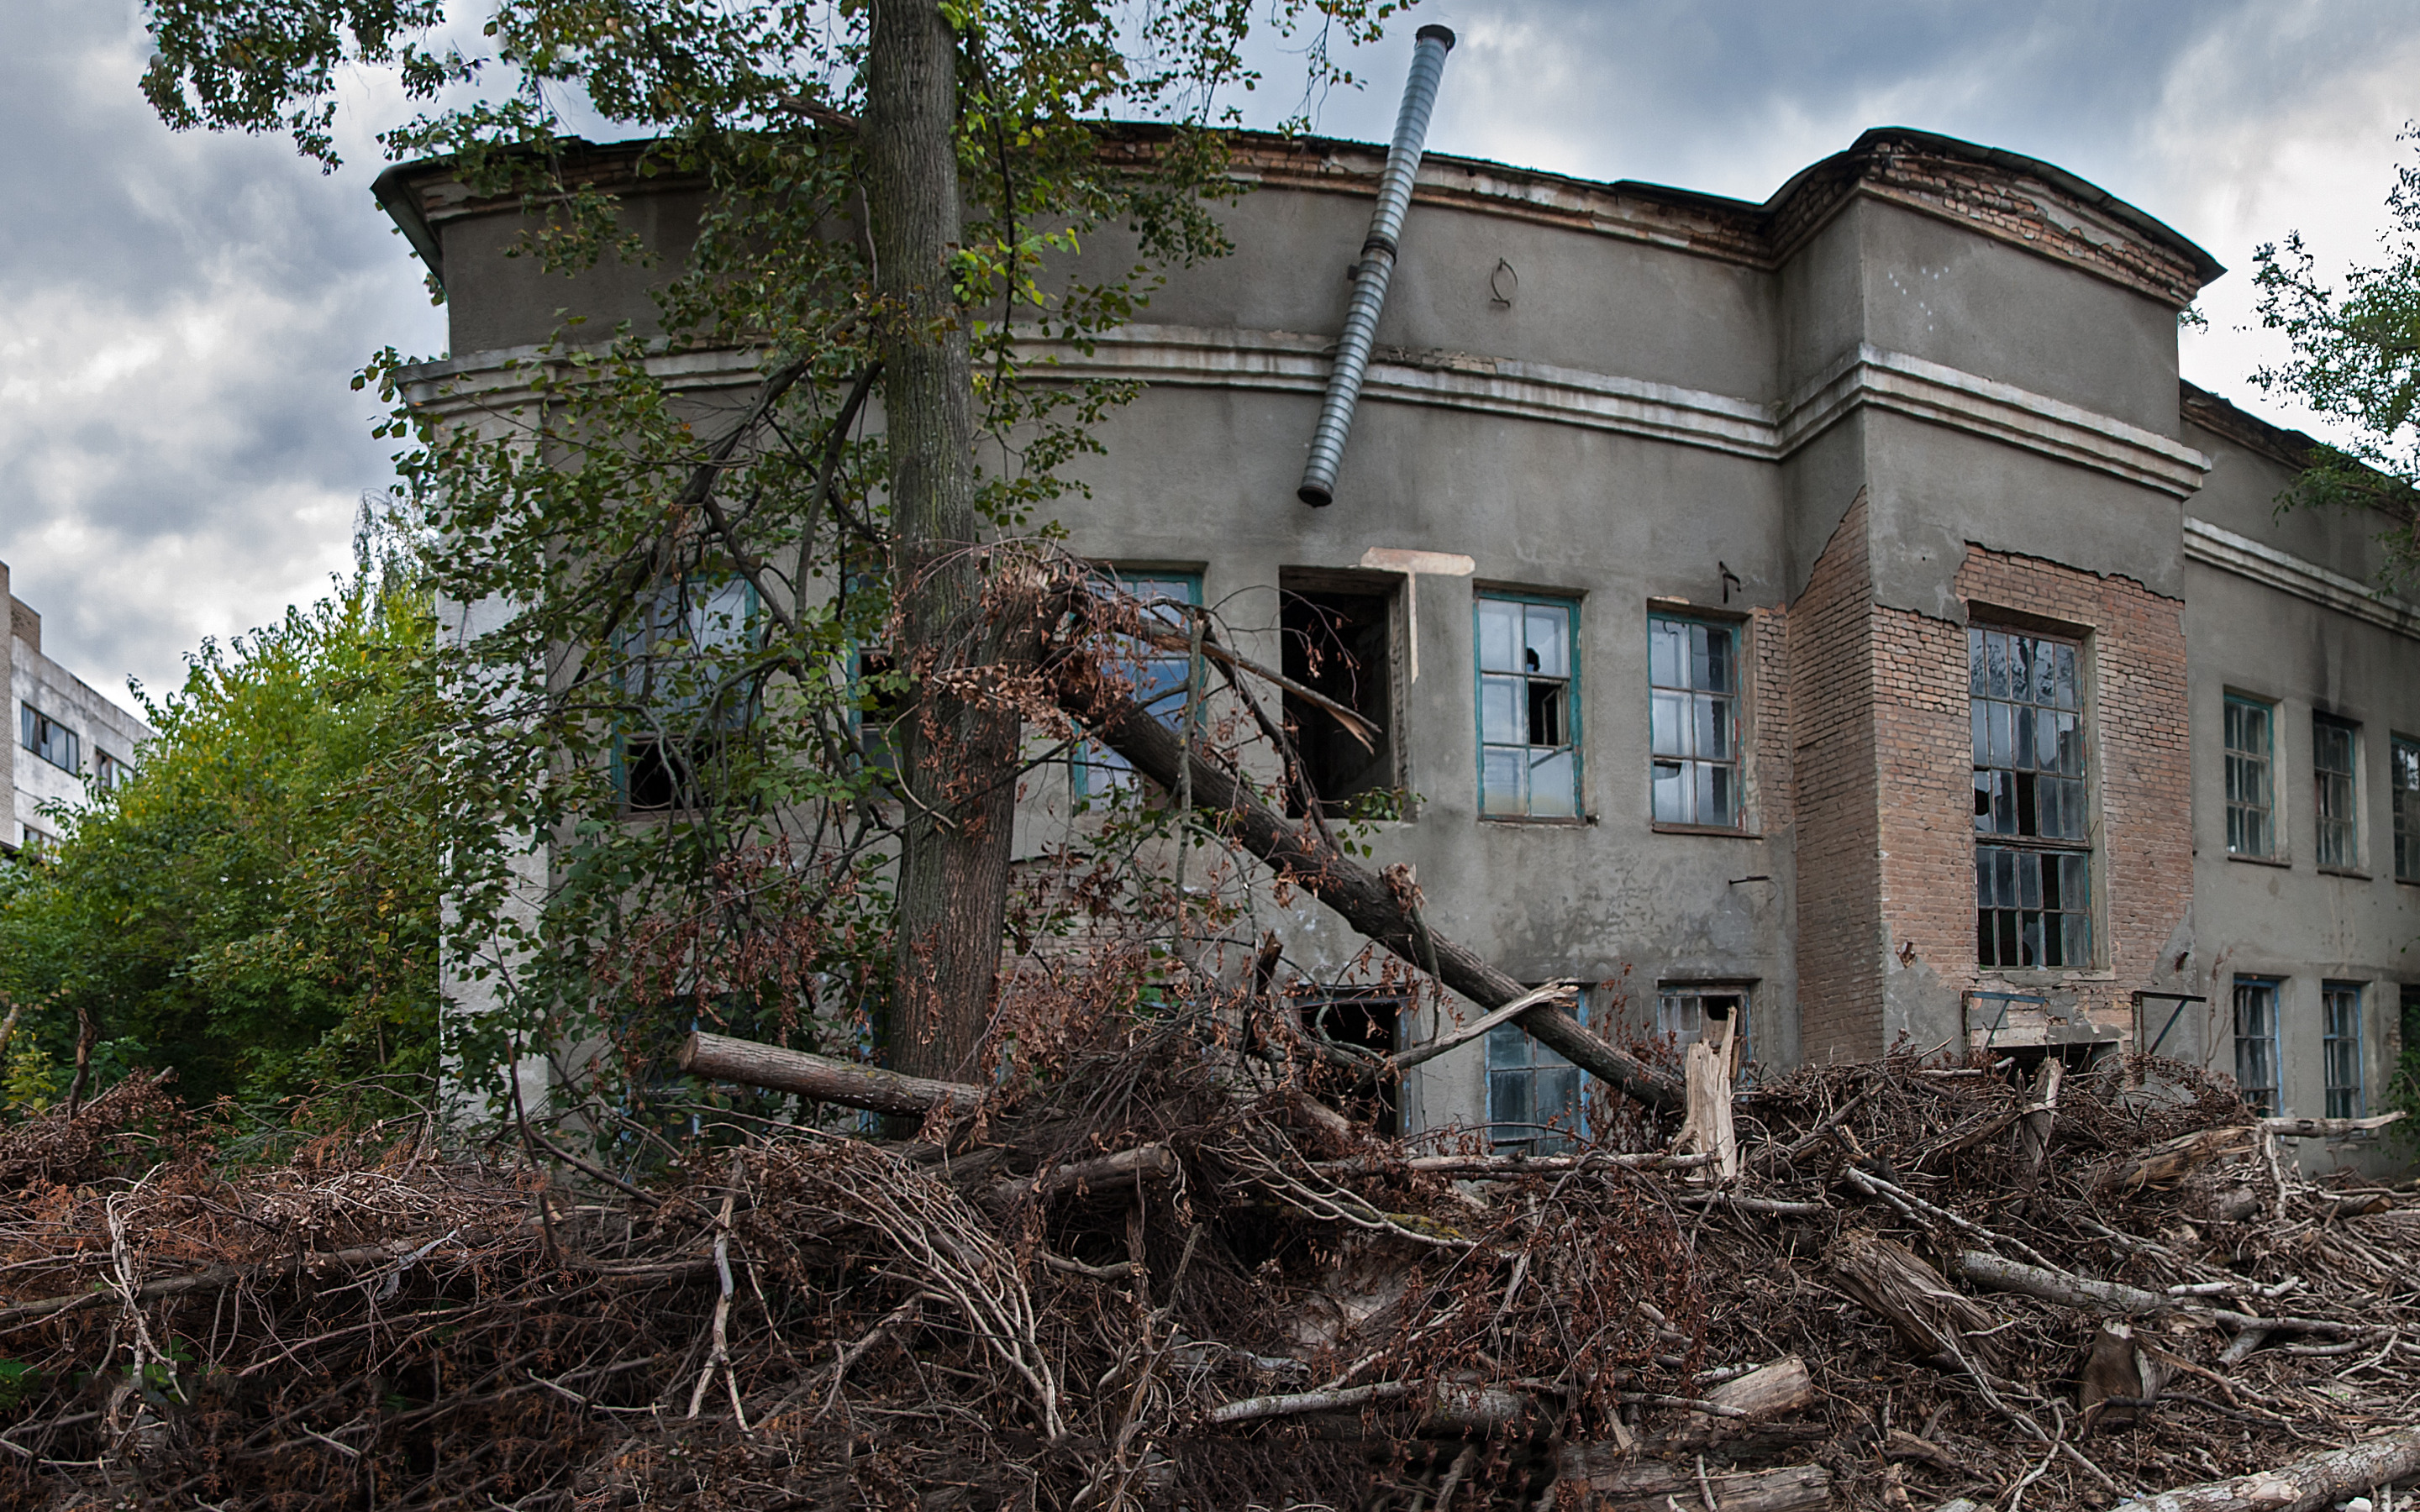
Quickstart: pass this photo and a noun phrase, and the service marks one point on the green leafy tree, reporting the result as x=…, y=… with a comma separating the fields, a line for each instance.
x=707, y=602
x=2356, y=357
x=256, y=906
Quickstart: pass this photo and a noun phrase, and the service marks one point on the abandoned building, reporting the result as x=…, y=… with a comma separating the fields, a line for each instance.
x=1832, y=614
x=66, y=733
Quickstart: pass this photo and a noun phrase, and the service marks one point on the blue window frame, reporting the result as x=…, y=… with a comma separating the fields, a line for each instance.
x=1528, y=706
x=2256, y=1041
x=1158, y=675
x=1533, y=1093
x=1693, y=721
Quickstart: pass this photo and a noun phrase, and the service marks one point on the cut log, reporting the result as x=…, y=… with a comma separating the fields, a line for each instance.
x=2327, y=1128
x=1115, y=1174
x=721, y=1058
x=2038, y=1121
x=2162, y=1164
x=1930, y=1315
x=2304, y=1486
x=1774, y=1391
x=1612, y=1479
x=1303, y=856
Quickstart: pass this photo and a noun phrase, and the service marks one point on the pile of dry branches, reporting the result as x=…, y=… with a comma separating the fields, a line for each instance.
x=1169, y=1274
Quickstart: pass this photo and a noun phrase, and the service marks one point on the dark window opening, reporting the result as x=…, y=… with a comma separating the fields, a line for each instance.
x=660, y=776
x=1361, y=1020
x=1340, y=646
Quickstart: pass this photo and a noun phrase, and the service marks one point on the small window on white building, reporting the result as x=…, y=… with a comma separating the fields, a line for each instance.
x=1688, y=1013
x=49, y=739
x=2251, y=789
x=1693, y=722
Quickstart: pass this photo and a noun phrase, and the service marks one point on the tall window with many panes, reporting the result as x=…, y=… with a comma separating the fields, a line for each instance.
x=2333, y=745
x=2251, y=786
x=2033, y=856
x=2403, y=774
x=1693, y=722
x=1528, y=707
x=2340, y=1046
x=2256, y=1041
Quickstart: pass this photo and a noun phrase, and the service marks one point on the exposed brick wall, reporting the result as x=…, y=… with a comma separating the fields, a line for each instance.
x=1927, y=795
x=1834, y=803
x=1768, y=705
x=2141, y=756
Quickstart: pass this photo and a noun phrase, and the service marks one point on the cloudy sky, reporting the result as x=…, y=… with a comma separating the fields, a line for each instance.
x=181, y=452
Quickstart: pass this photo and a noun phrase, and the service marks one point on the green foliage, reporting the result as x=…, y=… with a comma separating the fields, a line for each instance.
x=2356, y=357
x=618, y=518
x=257, y=907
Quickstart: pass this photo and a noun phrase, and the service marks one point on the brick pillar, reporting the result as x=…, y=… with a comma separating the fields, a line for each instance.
x=1836, y=800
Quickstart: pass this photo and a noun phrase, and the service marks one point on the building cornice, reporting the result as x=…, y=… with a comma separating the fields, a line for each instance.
x=496, y=383
x=2213, y=546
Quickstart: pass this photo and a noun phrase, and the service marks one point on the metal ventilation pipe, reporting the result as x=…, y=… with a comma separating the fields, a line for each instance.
x=1376, y=267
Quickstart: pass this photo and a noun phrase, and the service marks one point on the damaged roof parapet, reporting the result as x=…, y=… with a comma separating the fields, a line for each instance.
x=2006, y=195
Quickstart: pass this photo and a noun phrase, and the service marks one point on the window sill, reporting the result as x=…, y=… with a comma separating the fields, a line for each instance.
x=2347, y=872
x=1706, y=829
x=1538, y=821
x=2282, y=863
x=2409, y=882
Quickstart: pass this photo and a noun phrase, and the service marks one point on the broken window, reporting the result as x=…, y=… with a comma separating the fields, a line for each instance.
x=108, y=772
x=2256, y=1041
x=1688, y=1013
x=1528, y=707
x=2332, y=769
x=2340, y=1048
x=1533, y=1093
x=1339, y=641
x=2033, y=862
x=1159, y=674
x=2403, y=774
x=685, y=692
x=1693, y=720
x=1365, y=1023
x=2251, y=788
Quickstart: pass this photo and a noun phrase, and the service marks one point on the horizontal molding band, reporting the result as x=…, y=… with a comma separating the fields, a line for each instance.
x=2216, y=547
x=1290, y=363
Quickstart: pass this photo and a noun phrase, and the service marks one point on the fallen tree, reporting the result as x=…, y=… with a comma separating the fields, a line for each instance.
x=2304, y=1486
x=1303, y=854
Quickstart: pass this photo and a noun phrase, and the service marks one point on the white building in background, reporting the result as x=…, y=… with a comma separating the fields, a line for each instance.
x=66, y=730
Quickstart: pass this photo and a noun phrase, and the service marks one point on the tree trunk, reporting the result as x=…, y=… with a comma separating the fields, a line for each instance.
x=2304, y=1485
x=1304, y=858
x=959, y=757
x=1613, y=1480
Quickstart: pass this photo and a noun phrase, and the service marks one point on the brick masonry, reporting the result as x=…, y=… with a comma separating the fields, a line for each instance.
x=1883, y=793
x=1835, y=799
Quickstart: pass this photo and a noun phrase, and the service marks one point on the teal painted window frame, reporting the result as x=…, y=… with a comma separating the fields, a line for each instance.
x=2251, y=768
x=1098, y=771
x=2030, y=743
x=1575, y=734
